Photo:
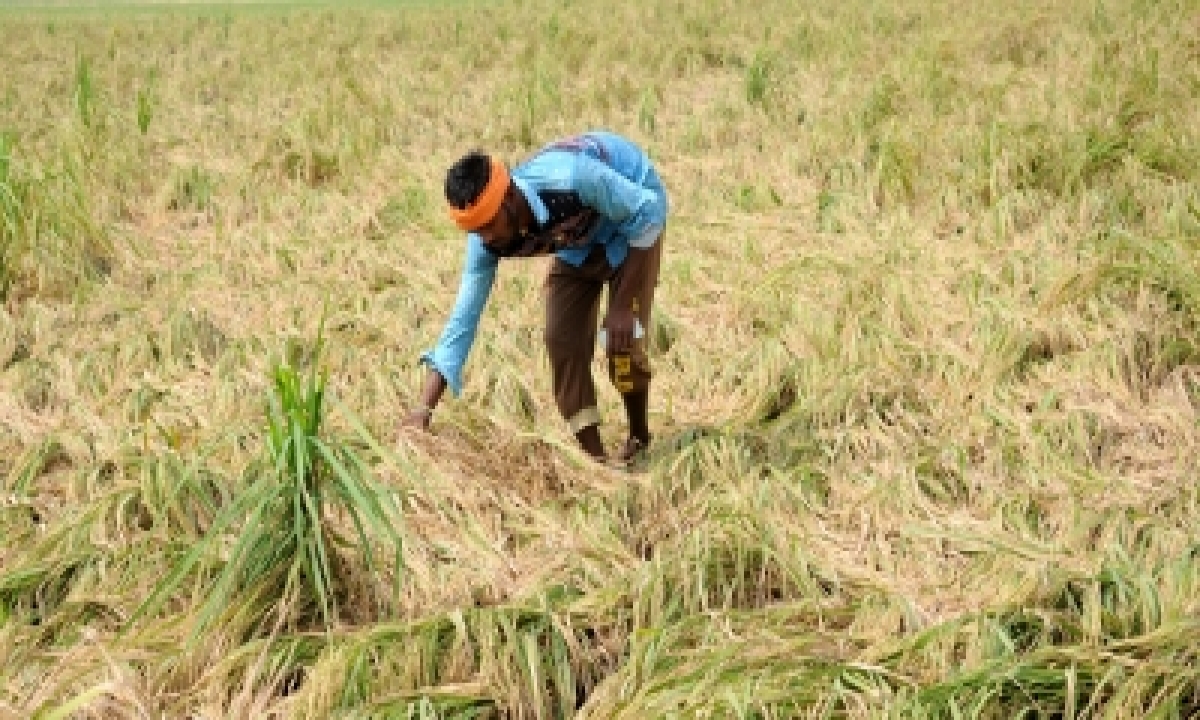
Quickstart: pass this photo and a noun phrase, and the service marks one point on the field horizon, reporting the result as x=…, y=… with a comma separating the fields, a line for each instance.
x=926, y=345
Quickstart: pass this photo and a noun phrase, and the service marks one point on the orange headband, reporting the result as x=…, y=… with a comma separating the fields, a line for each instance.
x=486, y=206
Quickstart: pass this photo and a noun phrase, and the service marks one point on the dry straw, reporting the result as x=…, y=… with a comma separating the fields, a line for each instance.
x=928, y=366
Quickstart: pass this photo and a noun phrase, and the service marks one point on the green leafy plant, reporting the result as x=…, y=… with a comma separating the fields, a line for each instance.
x=85, y=90
x=48, y=237
x=288, y=527
x=12, y=196
x=145, y=110
x=758, y=79
x=192, y=190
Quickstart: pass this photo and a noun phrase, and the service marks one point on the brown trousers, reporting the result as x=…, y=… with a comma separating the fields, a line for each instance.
x=572, y=316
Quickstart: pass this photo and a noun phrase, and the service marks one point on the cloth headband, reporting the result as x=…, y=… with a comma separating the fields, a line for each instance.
x=485, y=207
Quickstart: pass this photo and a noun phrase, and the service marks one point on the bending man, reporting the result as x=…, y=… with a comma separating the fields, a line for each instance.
x=595, y=202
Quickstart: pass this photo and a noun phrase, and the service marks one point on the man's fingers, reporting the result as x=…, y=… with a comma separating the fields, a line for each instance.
x=417, y=420
x=620, y=332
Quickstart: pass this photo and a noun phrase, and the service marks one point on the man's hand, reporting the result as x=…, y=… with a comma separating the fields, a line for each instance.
x=619, y=325
x=418, y=418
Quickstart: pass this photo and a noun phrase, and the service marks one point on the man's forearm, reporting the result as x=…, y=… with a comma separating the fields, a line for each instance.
x=435, y=385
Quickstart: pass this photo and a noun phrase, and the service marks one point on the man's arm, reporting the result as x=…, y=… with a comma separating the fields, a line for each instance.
x=613, y=195
x=431, y=395
x=446, y=360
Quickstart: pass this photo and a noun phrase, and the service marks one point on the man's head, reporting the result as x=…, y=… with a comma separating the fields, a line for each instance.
x=482, y=199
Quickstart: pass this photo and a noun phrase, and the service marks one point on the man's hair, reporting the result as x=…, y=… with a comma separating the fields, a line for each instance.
x=467, y=178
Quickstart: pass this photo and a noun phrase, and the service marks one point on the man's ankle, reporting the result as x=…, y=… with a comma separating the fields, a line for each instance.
x=633, y=448
x=589, y=440
x=637, y=412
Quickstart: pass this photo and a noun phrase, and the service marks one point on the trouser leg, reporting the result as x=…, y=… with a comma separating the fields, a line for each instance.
x=572, y=307
x=632, y=373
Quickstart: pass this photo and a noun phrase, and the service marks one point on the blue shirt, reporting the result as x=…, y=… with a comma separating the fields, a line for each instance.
x=611, y=175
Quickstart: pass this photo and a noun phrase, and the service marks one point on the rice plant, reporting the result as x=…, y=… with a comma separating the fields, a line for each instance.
x=758, y=79
x=85, y=90
x=49, y=242
x=145, y=110
x=308, y=506
x=12, y=199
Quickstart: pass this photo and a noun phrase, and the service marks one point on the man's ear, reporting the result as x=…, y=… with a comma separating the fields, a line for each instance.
x=513, y=194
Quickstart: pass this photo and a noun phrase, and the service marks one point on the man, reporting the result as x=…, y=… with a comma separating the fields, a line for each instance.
x=595, y=202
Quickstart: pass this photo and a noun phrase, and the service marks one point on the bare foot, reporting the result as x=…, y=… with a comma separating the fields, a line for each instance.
x=633, y=449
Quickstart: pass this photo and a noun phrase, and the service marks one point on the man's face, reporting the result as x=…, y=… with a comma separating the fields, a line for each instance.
x=500, y=233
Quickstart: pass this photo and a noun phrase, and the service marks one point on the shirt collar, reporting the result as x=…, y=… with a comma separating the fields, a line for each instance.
x=540, y=214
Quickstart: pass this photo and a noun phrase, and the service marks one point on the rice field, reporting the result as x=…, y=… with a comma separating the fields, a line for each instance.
x=927, y=346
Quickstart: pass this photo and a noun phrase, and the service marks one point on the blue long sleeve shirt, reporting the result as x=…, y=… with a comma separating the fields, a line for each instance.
x=612, y=176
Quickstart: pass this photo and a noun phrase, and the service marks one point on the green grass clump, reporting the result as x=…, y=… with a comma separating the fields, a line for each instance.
x=287, y=547
x=49, y=240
